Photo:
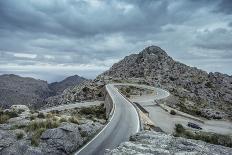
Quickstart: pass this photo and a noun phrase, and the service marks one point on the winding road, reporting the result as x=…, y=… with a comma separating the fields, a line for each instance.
x=123, y=123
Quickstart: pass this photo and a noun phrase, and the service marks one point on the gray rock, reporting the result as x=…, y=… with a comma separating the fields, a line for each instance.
x=21, y=147
x=148, y=142
x=6, y=139
x=62, y=140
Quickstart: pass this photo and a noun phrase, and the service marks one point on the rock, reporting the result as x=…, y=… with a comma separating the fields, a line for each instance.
x=90, y=128
x=62, y=140
x=6, y=139
x=150, y=142
x=19, y=121
x=21, y=148
x=19, y=108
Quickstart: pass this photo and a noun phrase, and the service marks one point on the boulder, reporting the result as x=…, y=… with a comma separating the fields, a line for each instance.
x=62, y=140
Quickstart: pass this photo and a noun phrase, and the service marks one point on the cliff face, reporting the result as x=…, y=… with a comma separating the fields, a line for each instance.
x=208, y=95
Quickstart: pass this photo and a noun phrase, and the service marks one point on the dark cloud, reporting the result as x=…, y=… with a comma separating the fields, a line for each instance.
x=95, y=32
x=224, y=6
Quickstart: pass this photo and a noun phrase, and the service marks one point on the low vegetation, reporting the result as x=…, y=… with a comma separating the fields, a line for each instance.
x=6, y=115
x=94, y=111
x=173, y=112
x=19, y=135
x=36, y=128
x=132, y=90
x=213, y=138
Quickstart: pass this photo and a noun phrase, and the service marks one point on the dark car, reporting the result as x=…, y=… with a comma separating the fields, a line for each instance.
x=193, y=125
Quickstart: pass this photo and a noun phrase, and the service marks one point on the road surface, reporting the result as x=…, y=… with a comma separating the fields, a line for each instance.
x=123, y=123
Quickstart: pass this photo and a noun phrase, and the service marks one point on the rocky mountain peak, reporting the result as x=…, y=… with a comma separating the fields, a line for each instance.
x=153, y=66
x=153, y=50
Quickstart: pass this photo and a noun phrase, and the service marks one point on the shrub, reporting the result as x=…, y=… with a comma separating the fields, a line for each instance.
x=36, y=136
x=19, y=135
x=128, y=90
x=63, y=120
x=47, y=124
x=73, y=119
x=32, y=117
x=11, y=114
x=179, y=128
x=173, y=112
x=41, y=115
x=4, y=118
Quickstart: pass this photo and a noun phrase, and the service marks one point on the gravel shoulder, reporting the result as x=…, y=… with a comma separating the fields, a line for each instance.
x=167, y=122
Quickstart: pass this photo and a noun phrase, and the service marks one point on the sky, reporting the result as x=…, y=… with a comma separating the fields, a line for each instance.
x=53, y=39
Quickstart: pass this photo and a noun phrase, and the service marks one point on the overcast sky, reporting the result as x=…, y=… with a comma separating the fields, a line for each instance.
x=51, y=39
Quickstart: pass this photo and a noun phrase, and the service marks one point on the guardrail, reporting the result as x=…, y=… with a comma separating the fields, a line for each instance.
x=141, y=108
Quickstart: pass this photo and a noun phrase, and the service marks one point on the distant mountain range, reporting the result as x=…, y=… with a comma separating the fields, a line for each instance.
x=194, y=90
x=31, y=92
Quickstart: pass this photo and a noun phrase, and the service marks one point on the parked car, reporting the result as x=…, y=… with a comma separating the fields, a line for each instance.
x=193, y=125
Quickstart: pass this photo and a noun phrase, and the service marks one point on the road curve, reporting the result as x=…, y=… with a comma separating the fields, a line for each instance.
x=123, y=123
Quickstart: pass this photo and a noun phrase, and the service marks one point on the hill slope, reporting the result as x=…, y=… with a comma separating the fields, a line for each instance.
x=59, y=87
x=195, y=91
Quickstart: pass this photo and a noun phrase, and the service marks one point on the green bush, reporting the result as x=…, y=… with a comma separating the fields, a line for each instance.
x=32, y=117
x=179, y=128
x=35, y=138
x=47, y=124
x=19, y=135
x=173, y=112
x=63, y=120
x=41, y=115
x=73, y=119
x=4, y=118
x=11, y=114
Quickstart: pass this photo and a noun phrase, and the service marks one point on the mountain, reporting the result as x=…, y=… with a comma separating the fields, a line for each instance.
x=22, y=90
x=59, y=87
x=194, y=91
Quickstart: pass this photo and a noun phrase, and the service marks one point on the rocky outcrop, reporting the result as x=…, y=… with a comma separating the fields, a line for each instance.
x=59, y=87
x=192, y=87
x=64, y=139
x=20, y=90
x=86, y=91
x=150, y=142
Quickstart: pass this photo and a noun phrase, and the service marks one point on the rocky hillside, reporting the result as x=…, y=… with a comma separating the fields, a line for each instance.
x=59, y=87
x=85, y=91
x=20, y=90
x=195, y=91
x=149, y=142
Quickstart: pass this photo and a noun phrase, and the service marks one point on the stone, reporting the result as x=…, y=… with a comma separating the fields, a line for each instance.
x=65, y=138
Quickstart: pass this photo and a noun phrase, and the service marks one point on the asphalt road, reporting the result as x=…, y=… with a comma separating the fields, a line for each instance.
x=123, y=123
